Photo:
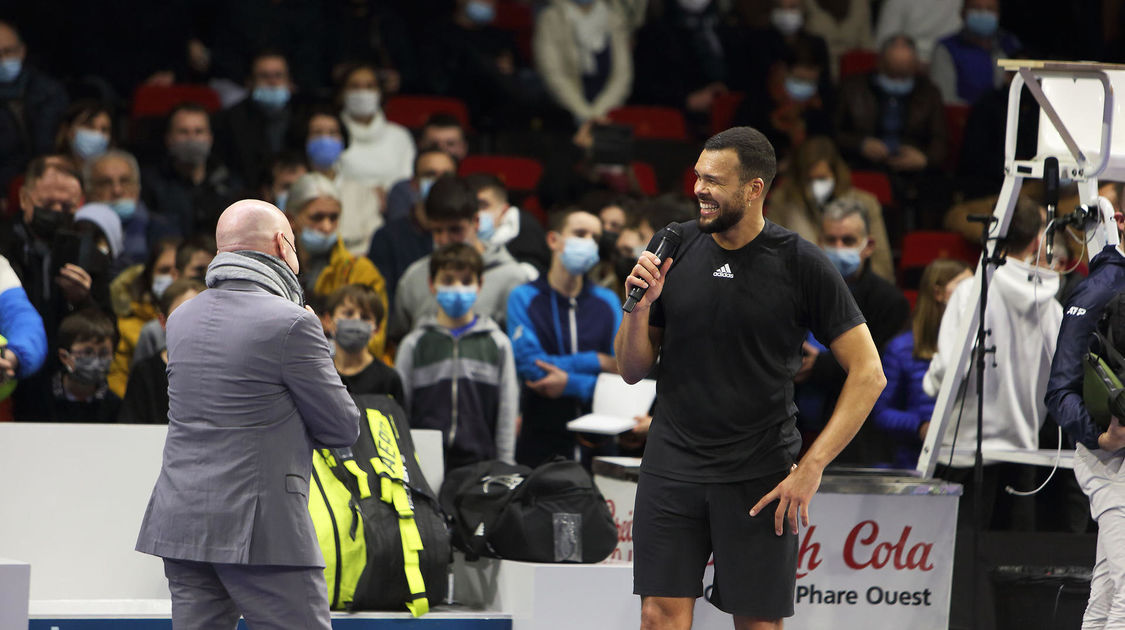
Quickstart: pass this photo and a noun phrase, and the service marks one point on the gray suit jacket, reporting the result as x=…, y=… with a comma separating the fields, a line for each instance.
x=251, y=392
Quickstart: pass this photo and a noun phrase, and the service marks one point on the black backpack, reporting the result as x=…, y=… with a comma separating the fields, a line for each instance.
x=553, y=513
x=387, y=496
x=1102, y=388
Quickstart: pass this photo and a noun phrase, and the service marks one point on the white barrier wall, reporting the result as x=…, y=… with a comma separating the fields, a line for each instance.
x=73, y=499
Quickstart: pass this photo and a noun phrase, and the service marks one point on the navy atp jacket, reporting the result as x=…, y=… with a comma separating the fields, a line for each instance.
x=1080, y=318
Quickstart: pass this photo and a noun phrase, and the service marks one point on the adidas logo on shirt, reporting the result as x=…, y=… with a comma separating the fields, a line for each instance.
x=723, y=272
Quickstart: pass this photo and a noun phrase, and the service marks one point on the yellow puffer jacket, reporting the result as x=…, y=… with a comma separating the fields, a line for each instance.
x=132, y=315
x=345, y=268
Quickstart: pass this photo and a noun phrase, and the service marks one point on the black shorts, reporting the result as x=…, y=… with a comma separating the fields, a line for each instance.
x=678, y=524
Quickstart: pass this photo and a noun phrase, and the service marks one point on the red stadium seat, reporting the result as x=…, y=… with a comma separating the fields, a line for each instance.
x=531, y=204
x=646, y=178
x=911, y=296
x=723, y=109
x=158, y=100
x=517, y=173
x=412, y=111
x=955, y=118
x=858, y=61
x=921, y=247
x=875, y=183
x=652, y=122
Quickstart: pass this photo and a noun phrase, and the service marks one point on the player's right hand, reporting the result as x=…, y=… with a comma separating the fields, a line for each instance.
x=649, y=273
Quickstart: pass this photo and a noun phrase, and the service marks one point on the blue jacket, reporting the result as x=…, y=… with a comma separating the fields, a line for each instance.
x=567, y=333
x=20, y=323
x=903, y=406
x=1080, y=318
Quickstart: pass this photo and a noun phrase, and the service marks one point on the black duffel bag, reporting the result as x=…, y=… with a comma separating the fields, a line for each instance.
x=553, y=513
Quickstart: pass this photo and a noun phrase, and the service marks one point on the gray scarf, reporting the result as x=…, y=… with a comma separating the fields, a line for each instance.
x=269, y=272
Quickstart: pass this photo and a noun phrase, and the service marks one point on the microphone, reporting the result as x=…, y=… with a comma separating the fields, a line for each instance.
x=1051, y=192
x=665, y=248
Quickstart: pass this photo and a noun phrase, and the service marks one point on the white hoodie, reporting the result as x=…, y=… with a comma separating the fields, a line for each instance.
x=1024, y=319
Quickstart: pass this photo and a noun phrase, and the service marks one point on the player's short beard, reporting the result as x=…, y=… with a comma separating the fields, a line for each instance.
x=728, y=217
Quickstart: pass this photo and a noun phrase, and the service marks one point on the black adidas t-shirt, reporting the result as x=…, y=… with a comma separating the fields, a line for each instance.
x=734, y=322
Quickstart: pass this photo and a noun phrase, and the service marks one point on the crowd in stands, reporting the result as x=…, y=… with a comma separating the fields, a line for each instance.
x=470, y=181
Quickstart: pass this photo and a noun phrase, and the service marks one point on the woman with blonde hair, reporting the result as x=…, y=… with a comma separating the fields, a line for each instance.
x=903, y=410
x=817, y=175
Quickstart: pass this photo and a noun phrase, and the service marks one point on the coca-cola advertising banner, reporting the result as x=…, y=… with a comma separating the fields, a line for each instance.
x=865, y=561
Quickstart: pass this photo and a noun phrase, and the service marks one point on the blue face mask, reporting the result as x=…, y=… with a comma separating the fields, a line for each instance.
x=799, y=89
x=271, y=97
x=480, y=12
x=89, y=143
x=125, y=208
x=316, y=242
x=323, y=151
x=455, y=302
x=487, y=228
x=424, y=186
x=847, y=261
x=895, y=87
x=982, y=23
x=10, y=69
x=579, y=254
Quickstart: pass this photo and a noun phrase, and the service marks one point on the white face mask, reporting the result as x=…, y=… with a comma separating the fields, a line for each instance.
x=822, y=188
x=788, y=21
x=361, y=103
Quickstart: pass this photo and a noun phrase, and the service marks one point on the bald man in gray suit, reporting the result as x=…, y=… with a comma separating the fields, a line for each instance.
x=251, y=391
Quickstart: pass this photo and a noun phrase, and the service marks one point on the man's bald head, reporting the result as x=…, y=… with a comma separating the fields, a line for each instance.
x=255, y=225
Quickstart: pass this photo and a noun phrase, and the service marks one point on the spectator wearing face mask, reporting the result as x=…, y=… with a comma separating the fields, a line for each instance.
x=381, y=152
x=793, y=107
x=78, y=388
x=442, y=132
x=284, y=169
x=964, y=64
x=583, y=55
x=562, y=328
x=353, y=315
x=114, y=178
x=136, y=294
x=758, y=51
x=324, y=137
x=845, y=237
x=39, y=100
x=250, y=133
x=190, y=262
x=818, y=176
x=314, y=212
x=457, y=368
x=405, y=239
x=501, y=223
x=451, y=217
x=146, y=395
x=86, y=132
x=190, y=186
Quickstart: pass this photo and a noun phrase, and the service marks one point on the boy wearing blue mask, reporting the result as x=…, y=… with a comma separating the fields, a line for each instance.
x=457, y=369
x=562, y=328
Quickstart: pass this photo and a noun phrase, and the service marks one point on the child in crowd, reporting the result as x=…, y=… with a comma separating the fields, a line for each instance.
x=903, y=410
x=79, y=392
x=353, y=312
x=457, y=368
x=146, y=395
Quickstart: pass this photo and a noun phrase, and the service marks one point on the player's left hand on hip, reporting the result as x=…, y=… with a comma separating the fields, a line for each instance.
x=793, y=495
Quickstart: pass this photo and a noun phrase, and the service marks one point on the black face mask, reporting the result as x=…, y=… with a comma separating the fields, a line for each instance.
x=623, y=267
x=45, y=222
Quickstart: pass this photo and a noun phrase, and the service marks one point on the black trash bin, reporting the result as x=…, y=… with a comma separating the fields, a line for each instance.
x=1042, y=597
